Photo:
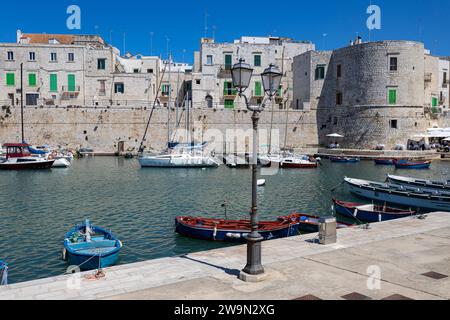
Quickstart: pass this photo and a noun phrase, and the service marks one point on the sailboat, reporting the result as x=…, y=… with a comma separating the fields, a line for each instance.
x=177, y=155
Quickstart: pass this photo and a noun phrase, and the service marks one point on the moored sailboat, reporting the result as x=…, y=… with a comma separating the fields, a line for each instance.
x=19, y=158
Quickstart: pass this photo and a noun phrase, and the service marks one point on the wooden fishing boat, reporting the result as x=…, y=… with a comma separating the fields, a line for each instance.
x=406, y=164
x=19, y=158
x=370, y=212
x=384, y=162
x=421, y=183
x=410, y=197
x=234, y=230
x=3, y=273
x=310, y=224
x=345, y=159
x=90, y=247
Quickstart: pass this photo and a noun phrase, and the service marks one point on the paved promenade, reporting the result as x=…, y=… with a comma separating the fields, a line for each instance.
x=412, y=255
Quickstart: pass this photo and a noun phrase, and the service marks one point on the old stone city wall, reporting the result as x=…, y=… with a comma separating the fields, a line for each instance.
x=105, y=129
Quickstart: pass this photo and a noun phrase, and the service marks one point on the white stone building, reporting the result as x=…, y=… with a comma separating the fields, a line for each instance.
x=211, y=84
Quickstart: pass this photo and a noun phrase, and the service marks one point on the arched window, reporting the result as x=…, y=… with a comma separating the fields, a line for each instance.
x=209, y=101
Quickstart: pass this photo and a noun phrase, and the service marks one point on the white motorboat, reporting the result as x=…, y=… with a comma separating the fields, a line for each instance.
x=19, y=158
x=61, y=162
x=183, y=160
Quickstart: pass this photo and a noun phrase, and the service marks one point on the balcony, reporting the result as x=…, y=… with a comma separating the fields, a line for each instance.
x=71, y=89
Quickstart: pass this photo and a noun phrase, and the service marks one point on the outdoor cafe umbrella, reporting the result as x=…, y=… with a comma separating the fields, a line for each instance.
x=335, y=135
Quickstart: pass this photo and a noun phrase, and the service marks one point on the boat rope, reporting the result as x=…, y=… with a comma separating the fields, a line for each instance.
x=141, y=147
x=340, y=184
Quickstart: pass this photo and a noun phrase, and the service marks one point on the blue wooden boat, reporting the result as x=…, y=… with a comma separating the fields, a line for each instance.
x=409, y=197
x=384, y=162
x=90, y=247
x=420, y=183
x=234, y=230
x=3, y=273
x=370, y=212
x=344, y=160
x=405, y=164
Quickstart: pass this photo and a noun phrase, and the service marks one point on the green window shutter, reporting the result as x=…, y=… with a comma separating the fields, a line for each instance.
x=229, y=104
x=228, y=61
x=54, y=82
x=257, y=61
x=434, y=102
x=71, y=82
x=225, y=88
x=392, y=96
x=280, y=90
x=258, y=91
x=10, y=79
x=32, y=79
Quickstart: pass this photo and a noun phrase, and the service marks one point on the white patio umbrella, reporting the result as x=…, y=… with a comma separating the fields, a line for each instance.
x=335, y=135
x=447, y=139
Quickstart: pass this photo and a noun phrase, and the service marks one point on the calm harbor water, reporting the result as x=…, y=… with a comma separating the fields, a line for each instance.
x=140, y=205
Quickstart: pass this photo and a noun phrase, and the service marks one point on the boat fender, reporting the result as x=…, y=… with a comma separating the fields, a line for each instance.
x=64, y=254
x=233, y=236
x=215, y=233
x=120, y=244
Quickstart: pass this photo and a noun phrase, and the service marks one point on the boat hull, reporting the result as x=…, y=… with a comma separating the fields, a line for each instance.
x=38, y=165
x=404, y=199
x=298, y=165
x=236, y=236
x=440, y=185
x=384, y=162
x=169, y=163
x=344, y=160
x=91, y=263
x=367, y=216
x=412, y=165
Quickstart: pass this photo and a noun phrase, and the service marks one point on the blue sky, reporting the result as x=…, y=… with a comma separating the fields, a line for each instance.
x=183, y=22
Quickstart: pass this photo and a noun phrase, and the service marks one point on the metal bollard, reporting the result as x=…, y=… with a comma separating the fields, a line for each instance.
x=327, y=230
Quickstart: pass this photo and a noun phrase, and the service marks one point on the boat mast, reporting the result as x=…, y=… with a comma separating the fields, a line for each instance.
x=21, y=101
x=170, y=99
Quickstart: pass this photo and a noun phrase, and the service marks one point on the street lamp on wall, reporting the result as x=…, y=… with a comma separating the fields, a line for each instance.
x=271, y=78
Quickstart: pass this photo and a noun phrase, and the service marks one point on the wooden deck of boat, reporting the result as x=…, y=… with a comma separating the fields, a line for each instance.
x=411, y=255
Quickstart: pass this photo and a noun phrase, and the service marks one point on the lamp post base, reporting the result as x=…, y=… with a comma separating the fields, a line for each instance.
x=254, y=248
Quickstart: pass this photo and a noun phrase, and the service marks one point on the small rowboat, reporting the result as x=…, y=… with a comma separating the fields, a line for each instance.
x=3, y=273
x=370, y=212
x=344, y=160
x=405, y=164
x=234, y=230
x=310, y=224
x=384, y=162
x=90, y=247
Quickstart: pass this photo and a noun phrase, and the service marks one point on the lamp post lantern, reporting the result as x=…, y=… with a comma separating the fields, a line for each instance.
x=271, y=78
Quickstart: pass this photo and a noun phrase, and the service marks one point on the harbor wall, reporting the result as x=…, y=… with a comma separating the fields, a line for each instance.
x=121, y=129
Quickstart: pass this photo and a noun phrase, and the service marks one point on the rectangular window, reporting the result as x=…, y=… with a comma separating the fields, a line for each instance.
x=320, y=72
x=101, y=64
x=258, y=89
x=32, y=56
x=149, y=70
x=166, y=88
x=338, y=98
x=32, y=79
x=393, y=64
x=445, y=78
x=393, y=124
x=53, y=57
x=10, y=56
x=339, y=71
x=434, y=102
x=229, y=104
x=228, y=89
x=392, y=96
x=32, y=99
x=209, y=60
x=102, y=90
x=10, y=79
x=119, y=87
x=228, y=61
x=71, y=82
x=71, y=57
x=257, y=60
x=54, y=83
x=135, y=70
